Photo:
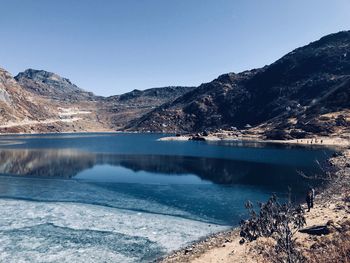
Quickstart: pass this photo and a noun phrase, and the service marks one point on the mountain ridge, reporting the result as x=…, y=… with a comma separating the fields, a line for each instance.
x=72, y=109
x=291, y=84
x=297, y=89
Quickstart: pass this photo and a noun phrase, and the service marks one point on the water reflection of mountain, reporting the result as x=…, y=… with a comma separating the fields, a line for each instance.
x=45, y=163
x=67, y=163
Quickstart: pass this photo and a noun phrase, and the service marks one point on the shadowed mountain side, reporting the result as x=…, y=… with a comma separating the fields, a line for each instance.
x=328, y=115
x=308, y=76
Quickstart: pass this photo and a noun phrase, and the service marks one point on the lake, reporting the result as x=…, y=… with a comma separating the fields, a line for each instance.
x=130, y=198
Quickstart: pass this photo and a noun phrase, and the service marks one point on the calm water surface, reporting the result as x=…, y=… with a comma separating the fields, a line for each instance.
x=131, y=198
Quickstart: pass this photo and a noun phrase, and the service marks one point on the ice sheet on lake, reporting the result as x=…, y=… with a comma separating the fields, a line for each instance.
x=72, y=232
x=51, y=191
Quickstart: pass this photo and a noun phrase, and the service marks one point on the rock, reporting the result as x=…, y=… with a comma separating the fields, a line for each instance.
x=316, y=230
x=197, y=138
x=341, y=121
x=205, y=133
x=298, y=134
x=188, y=250
x=277, y=135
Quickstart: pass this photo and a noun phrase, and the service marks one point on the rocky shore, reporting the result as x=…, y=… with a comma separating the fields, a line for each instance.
x=331, y=211
x=336, y=140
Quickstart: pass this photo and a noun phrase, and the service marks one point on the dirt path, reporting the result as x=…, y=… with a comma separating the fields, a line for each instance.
x=30, y=122
x=66, y=115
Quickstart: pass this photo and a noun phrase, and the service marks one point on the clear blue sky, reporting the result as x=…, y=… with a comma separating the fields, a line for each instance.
x=113, y=46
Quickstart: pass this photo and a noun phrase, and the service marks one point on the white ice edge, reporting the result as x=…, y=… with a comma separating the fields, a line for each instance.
x=168, y=231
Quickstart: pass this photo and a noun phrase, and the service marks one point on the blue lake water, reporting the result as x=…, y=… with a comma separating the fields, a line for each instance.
x=131, y=198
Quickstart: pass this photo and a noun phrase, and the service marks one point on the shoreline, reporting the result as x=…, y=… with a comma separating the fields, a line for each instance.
x=315, y=141
x=55, y=133
x=79, y=132
x=224, y=246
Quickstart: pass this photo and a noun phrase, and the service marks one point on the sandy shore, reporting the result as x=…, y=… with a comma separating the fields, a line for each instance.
x=330, y=206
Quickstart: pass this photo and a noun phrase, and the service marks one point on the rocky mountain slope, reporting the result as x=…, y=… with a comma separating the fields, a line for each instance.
x=303, y=85
x=24, y=111
x=16, y=104
x=120, y=110
x=148, y=96
x=41, y=101
x=51, y=85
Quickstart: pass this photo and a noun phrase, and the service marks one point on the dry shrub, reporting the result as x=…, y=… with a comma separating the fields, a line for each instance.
x=279, y=222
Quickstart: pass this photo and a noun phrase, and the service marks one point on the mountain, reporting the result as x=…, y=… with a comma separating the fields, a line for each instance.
x=51, y=85
x=42, y=101
x=161, y=94
x=149, y=98
x=304, y=84
x=305, y=92
x=120, y=110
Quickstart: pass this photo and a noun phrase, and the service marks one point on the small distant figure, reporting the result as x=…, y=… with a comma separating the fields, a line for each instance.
x=310, y=196
x=321, y=141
